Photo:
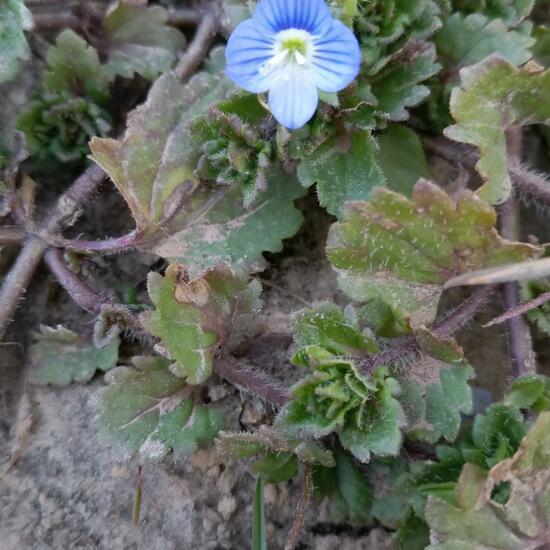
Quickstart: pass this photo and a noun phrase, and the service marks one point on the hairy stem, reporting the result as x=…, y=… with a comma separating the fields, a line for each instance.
x=529, y=185
x=12, y=235
x=520, y=309
x=253, y=381
x=305, y=495
x=17, y=280
x=520, y=346
x=444, y=328
x=64, y=212
x=107, y=246
x=78, y=288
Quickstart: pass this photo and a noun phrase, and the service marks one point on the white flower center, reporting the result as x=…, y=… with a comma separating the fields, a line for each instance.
x=292, y=46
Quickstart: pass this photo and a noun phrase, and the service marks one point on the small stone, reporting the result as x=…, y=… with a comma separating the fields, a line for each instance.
x=227, y=507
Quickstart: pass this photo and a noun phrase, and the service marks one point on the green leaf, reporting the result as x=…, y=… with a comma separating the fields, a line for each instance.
x=512, y=12
x=276, y=467
x=396, y=88
x=14, y=19
x=221, y=230
x=493, y=97
x=139, y=41
x=74, y=68
x=541, y=49
x=531, y=391
x=258, y=519
x=467, y=40
x=445, y=402
x=327, y=327
x=519, y=523
x=177, y=216
x=148, y=411
x=401, y=158
x=402, y=251
x=344, y=169
x=348, y=488
x=193, y=317
x=64, y=357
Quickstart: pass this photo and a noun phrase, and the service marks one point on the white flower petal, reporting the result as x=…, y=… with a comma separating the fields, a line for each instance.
x=293, y=97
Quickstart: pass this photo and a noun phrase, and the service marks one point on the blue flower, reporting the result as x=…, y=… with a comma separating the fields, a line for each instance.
x=293, y=49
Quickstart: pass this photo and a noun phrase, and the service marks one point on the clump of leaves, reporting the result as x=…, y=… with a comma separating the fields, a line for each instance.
x=71, y=109
x=233, y=147
x=336, y=397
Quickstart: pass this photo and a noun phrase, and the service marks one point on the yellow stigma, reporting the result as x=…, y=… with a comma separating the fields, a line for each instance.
x=293, y=45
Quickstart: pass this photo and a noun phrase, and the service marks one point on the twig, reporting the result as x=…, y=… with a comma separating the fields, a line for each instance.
x=519, y=310
x=12, y=234
x=197, y=50
x=444, y=328
x=520, y=344
x=63, y=213
x=305, y=494
x=250, y=380
x=183, y=17
x=112, y=245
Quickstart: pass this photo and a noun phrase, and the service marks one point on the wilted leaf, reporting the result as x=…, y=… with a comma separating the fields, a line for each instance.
x=344, y=169
x=64, y=357
x=178, y=216
x=14, y=19
x=480, y=521
x=493, y=97
x=149, y=412
x=467, y=40
x=402, y=251
x=193, y=318
x=139, y=41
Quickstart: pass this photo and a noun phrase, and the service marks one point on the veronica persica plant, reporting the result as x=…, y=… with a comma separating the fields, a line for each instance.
x=293, y=49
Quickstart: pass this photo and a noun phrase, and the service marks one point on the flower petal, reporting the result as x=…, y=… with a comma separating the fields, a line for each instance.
x=247, y=51
x=336, y=59
x=293, y=97
x=278, y=15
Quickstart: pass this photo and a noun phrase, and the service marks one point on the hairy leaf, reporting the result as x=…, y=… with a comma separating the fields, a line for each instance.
x=178, y=216
x=493, y=97
x=510, y=11
x=139, y=41
x=64, y=357
x=531, y=391
x=269, y=440
x=193, y=318
x=276, y=467
x=476, y=520
x=402, y=251
x=14, y=19
x=344, y=169
x=327, y=326
x=467, y=40
x=148, y=411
